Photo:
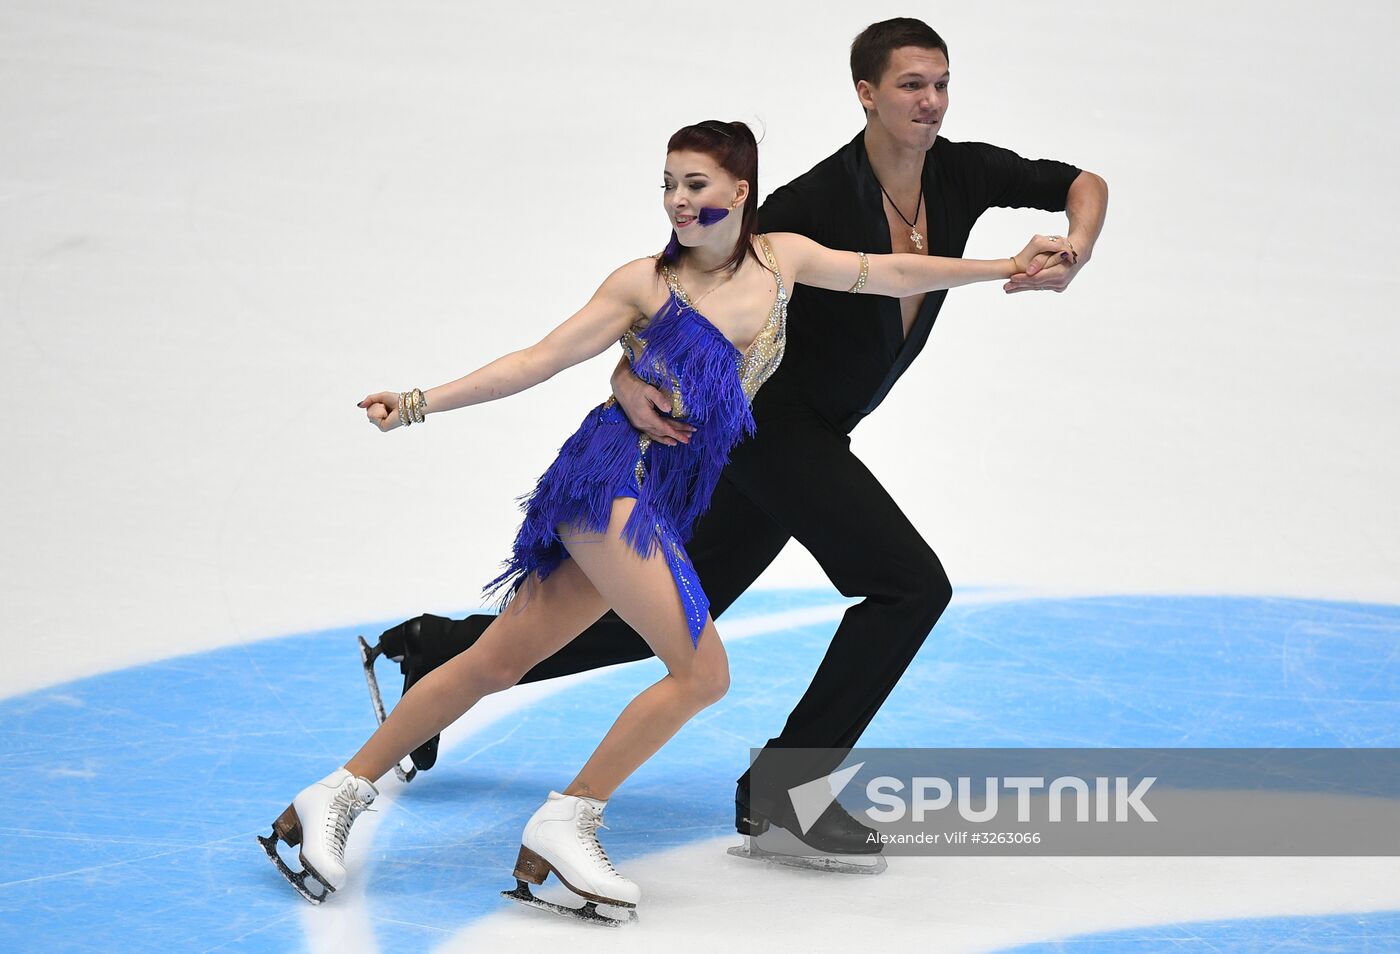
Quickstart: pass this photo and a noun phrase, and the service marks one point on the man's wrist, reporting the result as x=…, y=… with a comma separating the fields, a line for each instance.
x=1083, y=246
x=620, y=375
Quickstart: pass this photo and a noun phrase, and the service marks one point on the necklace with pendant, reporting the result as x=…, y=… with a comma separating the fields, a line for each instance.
x=696, y=301
x=915, y=235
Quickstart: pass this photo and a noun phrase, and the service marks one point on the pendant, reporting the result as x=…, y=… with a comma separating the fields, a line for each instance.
x=917, y=238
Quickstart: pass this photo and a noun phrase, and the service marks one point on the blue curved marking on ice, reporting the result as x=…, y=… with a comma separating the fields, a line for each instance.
x=132, y=798
x=1339, y=933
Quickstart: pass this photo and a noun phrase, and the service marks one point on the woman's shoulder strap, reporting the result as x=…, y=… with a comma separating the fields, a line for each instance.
x=772, y=258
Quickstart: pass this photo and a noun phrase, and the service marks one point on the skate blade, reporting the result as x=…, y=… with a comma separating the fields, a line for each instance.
x=839, y=864
x=297, y=879
x=588, y=913
x=368, y=654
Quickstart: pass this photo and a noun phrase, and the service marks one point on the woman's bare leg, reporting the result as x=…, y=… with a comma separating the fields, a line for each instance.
x=643, y=593
x=541, y=618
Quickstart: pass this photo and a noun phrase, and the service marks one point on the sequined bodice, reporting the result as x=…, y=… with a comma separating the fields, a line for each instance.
x=754, y=365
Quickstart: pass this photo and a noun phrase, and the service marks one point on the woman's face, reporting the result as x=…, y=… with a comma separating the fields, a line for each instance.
x=693, y=181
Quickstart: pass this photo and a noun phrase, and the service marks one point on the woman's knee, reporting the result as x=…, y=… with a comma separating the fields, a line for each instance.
x=706, y=682
x=496, y=673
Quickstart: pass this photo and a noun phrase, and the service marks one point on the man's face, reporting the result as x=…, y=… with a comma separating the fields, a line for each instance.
x=911, y=98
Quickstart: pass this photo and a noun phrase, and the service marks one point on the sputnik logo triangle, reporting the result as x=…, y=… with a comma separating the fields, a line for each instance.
x=812, y=798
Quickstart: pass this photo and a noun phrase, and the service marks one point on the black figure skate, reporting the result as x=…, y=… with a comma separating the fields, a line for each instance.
x=835, y=841
x=419, y=646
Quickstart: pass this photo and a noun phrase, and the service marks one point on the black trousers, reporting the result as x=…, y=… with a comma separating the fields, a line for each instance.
x=797, y=479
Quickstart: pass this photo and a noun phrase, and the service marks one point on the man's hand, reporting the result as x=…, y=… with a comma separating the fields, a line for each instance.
x=1049, y=272
x=1085, y=207
x=644, y=406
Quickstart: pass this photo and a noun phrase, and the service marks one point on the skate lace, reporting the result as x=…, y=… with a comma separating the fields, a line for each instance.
x=589, y=821
x=346, y=806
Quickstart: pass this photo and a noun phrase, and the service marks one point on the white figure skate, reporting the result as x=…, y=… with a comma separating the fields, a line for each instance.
x=562, y=837
x=319, y=820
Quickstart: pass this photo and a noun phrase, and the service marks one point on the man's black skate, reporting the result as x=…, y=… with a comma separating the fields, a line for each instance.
x=419, y=646
x=835, y=842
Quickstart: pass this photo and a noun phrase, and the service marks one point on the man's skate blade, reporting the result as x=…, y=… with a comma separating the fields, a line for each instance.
x=840, y=864
x=368, y=654
x=297, y=879
x=588, y=913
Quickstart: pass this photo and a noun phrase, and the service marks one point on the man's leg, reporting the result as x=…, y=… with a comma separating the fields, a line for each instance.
x=808, y=480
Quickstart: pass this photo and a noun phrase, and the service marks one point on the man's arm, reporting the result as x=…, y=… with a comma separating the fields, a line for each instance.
x=1086, y=205
x=644, y=406
x=1085, y=208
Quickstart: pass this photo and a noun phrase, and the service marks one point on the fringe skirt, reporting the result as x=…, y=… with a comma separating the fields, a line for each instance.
x=606, y=458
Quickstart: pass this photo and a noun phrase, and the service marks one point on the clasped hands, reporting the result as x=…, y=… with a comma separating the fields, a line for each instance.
x=1049, y=271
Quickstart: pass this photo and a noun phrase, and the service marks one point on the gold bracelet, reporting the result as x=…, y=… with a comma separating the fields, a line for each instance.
x=1015, y=267
x=864, y=274
x=422, y=401
x=420, y=407
x=403, y=410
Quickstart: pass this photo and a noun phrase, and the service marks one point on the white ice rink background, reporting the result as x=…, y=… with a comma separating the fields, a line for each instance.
x=1166, y=498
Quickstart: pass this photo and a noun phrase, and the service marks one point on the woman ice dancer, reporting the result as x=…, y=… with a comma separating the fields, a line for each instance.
x=607, y=523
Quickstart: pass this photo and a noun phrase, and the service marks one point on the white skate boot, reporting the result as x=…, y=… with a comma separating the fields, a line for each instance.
x=319, y=820
x=562, y=837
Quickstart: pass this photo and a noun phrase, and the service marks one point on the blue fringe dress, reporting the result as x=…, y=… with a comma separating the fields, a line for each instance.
x=711, y=383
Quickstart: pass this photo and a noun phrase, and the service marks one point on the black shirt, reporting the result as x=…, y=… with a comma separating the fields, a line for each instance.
x=844, y=352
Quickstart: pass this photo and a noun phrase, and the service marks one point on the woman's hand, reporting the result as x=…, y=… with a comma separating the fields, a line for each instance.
x=382, y=409
x=1040, y=251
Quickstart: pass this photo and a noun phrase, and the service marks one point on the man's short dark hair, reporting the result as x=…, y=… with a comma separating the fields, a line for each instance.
x=870, y=51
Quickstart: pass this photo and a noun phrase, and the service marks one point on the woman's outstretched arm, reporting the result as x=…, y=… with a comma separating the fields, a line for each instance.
x=588, y=332
x=900, y=275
